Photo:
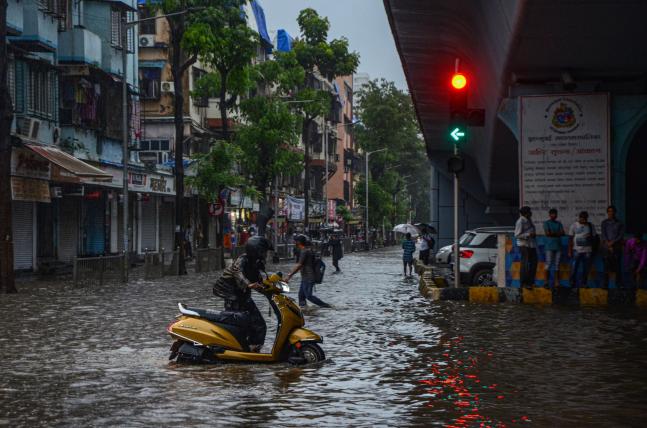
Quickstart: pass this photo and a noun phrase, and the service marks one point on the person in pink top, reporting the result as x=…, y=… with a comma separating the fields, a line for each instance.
x=636, y=259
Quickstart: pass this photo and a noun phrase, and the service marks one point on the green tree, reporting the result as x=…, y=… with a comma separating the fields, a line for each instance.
x=317, y=56
x=229, y=49
x=188, y=35
x=387, y=119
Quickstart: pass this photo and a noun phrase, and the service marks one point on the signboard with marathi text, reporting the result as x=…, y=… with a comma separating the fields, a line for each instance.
x=30, y=190
x=564, y=155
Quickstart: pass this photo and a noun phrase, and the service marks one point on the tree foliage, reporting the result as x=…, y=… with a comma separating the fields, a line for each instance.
x=387, y=120
x=268, y=140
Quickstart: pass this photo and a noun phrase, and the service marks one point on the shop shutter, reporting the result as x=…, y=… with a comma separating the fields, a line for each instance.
x=95, y=232
x=68, y=229
x=149, y=224
x=167, y=216
x=23, y=235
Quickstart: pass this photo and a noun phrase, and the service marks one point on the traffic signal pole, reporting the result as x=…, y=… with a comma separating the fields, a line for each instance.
x=457, y=260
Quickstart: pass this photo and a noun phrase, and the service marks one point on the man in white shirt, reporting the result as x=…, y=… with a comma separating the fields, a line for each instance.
x=426, y=244
x=524, y=232
x=580, y=249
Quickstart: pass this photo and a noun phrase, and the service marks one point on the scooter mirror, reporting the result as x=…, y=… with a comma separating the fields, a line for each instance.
x=283, y=286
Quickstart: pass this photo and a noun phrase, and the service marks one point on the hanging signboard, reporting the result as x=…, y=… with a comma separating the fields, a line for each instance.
x=564, y=155
x=26, y=163
x=30, y=190
x=295, y=208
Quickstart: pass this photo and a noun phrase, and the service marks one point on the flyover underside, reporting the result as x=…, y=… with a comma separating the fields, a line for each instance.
x=508, y=49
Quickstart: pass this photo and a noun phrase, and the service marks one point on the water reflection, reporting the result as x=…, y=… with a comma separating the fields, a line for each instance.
x=98, y=356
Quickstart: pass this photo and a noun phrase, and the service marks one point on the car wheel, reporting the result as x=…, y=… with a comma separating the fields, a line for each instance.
x=482, y=278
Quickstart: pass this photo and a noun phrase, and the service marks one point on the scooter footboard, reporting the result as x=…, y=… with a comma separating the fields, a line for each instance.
x=304, y=335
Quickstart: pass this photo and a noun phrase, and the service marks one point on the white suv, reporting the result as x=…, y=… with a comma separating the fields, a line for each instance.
x=478, y=253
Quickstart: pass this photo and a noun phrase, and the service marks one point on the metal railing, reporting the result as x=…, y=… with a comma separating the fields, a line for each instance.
x=102, y=269
x=160, y=264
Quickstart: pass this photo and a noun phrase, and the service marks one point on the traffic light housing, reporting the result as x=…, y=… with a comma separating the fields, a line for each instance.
x=460, y=115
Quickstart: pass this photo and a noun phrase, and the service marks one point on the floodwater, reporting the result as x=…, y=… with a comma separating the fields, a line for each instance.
x=98, y=357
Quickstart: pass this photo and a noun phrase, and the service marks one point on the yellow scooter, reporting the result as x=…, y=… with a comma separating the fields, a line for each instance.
x=203, y=338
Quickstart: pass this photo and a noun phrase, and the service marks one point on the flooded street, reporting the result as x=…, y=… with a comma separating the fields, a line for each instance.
x=98, y=357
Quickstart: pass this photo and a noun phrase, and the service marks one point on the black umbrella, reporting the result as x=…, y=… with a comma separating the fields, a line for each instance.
x=430, y=228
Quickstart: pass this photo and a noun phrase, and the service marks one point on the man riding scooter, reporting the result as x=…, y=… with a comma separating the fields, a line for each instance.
x=235, y=286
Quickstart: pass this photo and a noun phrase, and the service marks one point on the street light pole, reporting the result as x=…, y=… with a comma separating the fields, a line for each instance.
x=325, y=136
x=124, y=136
x=368, y=154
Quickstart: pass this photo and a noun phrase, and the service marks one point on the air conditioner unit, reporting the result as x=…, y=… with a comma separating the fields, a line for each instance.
x=168, y=87
x=146, y=41
x=28, y=128
x=148, y=157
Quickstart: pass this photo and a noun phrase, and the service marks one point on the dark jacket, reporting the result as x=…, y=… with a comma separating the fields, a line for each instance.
x=336, y=249
x=233, y=284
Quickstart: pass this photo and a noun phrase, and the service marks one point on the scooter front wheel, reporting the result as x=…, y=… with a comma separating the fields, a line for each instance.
x=312, y=353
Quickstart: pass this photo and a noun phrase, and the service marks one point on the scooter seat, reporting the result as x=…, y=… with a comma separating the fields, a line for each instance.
x=234, y=322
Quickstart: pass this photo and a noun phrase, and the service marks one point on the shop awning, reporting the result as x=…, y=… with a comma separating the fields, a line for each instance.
x=69, y=163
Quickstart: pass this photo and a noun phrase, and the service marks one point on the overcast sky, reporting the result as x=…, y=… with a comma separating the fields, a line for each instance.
x=363, y=22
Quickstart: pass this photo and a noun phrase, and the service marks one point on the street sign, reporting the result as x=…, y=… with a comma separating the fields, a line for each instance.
x=457, y=134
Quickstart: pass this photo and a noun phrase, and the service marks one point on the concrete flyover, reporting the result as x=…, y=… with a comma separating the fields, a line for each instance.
x=513, y=48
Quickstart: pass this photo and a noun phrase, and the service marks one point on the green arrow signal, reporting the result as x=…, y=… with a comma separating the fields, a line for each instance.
x=457, y=134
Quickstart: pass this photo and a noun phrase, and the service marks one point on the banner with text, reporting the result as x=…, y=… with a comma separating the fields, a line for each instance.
x=564, y=155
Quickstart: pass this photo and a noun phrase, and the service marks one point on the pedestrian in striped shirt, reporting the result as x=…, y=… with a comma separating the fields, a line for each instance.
x=408, y=247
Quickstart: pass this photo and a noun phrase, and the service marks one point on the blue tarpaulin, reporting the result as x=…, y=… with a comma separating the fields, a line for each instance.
x=283, y=41
x=259, y=14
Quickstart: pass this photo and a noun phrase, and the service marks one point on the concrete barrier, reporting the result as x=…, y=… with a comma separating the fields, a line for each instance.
x=538, y=296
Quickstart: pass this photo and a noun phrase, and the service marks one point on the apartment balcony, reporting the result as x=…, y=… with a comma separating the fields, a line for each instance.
x=14, y=17
x=40, y=27
x=317, y=160
x=80, y=46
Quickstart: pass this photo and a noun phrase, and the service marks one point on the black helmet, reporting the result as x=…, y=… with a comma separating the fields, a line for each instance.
x=302, y=239
x=258, y=246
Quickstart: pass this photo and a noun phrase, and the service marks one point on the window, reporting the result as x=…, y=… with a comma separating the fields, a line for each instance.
x=146, y=27
x=41, y=92
x=116, y=28
x=155, y=148
x=149, y=83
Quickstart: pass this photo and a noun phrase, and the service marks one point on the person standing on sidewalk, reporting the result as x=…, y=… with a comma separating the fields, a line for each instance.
x=426, y=245
x=524, y=232
x=613, y=232
x=580, y=249
x=554, y=230
x=307, y=269
x=408, y=248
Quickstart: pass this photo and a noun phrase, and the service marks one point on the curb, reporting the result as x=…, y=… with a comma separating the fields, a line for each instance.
x=538, y=296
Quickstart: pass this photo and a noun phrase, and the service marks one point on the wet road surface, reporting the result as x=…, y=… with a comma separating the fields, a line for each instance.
x=98, y=357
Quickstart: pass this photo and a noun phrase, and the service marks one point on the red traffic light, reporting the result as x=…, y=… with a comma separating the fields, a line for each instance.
x=459, y=81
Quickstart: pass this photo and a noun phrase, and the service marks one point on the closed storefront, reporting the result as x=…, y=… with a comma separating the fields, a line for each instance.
x=148, y=223
x=94, y=224
x=68, y=228
x=23, y=234
x=166, y=225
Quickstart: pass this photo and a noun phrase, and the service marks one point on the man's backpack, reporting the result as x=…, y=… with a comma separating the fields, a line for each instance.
x=319, y=267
